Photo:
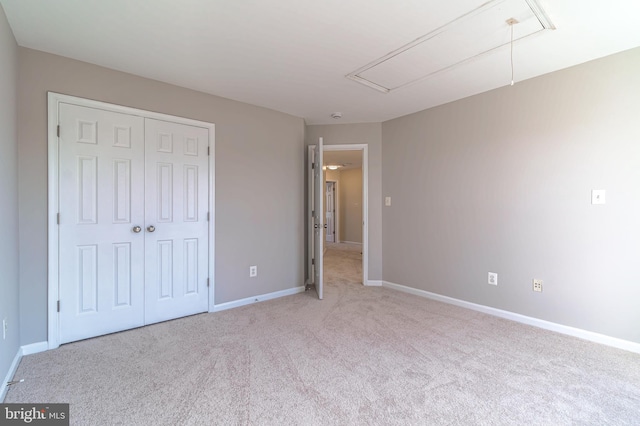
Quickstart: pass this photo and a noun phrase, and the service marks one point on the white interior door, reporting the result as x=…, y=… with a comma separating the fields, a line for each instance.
x=101, y=199
x=176, y=254
x=133, y=234
x=318, y=210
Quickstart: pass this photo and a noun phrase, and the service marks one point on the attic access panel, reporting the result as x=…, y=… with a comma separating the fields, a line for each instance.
x=467, y=37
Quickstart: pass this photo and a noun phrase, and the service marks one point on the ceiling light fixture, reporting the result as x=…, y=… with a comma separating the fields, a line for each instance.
x=332, y=167
x=336, y=115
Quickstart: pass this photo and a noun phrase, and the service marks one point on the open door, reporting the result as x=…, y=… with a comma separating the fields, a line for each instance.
x=316, y=216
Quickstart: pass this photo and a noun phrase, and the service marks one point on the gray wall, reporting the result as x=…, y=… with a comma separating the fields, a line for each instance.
x=365, y=133
x=502, y=182
x=351, y=205
x=9, y=289
x=257, y=150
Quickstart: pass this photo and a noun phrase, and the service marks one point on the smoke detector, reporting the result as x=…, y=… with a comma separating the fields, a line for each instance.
x=336, y=115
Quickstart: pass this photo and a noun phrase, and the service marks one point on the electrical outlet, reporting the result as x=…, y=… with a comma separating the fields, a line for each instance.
x=253, y=271
x=5, y=327
x=492, y=278
x=598, y=196
x=537, y=285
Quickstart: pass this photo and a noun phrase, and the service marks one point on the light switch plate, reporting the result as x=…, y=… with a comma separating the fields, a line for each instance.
x=387, y=201
x=598, y=196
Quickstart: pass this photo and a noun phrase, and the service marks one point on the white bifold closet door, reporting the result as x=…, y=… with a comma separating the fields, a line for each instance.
x=133, y=234
x=176, y=197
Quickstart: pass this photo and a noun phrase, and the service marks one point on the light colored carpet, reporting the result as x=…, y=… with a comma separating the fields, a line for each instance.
x=363, y=355
x=343, y=264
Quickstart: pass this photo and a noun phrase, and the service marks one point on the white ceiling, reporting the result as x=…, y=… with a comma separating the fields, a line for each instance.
x=294, y=55
x=345, y=159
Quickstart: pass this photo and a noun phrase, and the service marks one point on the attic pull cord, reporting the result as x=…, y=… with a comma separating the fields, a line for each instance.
x=511, y=25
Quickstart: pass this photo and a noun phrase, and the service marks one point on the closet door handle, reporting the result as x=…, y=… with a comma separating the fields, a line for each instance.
x=136, y=229
x=151, y=228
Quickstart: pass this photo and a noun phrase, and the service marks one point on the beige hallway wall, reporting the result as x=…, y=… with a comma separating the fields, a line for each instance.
x=348, y=203
x=333, y=176
x=351, y=205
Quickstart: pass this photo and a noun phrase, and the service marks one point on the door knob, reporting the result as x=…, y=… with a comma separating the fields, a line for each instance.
x=136, y=229
x=151, y=228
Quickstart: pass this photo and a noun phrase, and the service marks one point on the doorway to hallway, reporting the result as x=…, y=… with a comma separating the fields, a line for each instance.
x=319, y=171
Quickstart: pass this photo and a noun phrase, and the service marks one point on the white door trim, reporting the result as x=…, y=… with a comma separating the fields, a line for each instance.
x=309, y=219
x=365, y=200
x=53, y=101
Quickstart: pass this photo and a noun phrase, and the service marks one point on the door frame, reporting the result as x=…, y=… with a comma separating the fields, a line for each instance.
x=365, y=200
x=53, y=102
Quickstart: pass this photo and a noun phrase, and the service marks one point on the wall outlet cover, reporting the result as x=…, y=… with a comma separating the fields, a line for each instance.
x=492, y=278
x=537, y=285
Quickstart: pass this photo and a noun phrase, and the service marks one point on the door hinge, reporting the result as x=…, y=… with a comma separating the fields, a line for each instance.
x=58, y=218
x=58, y=306
x=207, y=216
x=313, y=213
x=58, y=130
x=208, y=150
x=313, y=262
x=313, y=165
x=207, y=282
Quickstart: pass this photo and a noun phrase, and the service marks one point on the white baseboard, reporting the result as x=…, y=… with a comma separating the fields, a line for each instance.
x=547, y=325
x=34, y=348
x=374, y=283
x=12, y=370
x=353, y=243
x=256, y=299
